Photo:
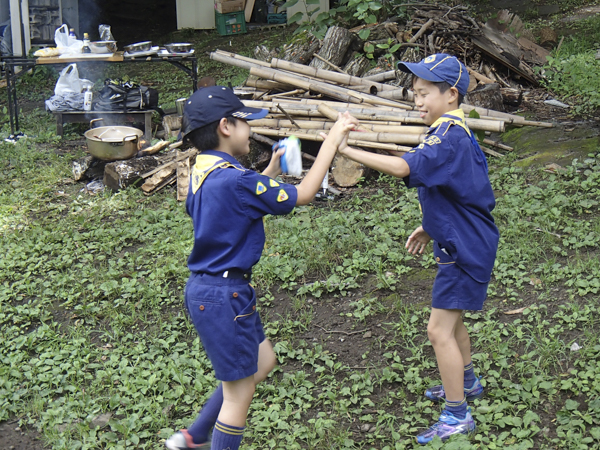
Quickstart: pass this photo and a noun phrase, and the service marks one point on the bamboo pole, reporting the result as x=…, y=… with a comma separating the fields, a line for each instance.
x=497, y=145
x=324, y=88
x=266, y=84
x=257, y=62
x=317, y=137
x=390, y=127
x=382, y=76
x=328, y=75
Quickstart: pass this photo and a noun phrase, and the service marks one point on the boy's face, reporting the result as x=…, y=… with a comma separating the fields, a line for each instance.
x=237, y=137
x=432, y=104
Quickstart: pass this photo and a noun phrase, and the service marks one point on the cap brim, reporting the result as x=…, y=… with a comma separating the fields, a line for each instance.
x=248, y=113
x=418, y=70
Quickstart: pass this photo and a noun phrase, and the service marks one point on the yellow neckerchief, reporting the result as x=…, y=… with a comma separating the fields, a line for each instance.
x=458, y=114
x=205, y=164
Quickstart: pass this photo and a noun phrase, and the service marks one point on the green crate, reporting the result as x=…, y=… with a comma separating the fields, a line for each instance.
x=230, y=23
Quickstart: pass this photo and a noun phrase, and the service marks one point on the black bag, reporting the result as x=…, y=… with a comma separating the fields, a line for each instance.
x=128, y=96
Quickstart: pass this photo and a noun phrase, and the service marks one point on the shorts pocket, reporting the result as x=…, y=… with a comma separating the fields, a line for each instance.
x=442, y=256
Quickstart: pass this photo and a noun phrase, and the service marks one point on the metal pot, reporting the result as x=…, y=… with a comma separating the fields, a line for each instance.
x=113, y=142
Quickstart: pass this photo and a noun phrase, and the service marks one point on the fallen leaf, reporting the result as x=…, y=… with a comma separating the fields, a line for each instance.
x=515, y=311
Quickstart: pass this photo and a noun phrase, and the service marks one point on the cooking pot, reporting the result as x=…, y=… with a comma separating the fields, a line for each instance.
x=113, y=142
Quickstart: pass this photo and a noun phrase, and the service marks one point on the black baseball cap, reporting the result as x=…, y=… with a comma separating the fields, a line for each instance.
x=211, y=104
x=440, y=67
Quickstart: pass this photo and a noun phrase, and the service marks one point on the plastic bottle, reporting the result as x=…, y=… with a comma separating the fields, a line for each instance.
x=72, y=34
x=87, y=99
x=86, y=44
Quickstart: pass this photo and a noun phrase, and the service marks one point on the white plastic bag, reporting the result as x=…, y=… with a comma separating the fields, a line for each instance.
x=68, y=81
x=66, y=44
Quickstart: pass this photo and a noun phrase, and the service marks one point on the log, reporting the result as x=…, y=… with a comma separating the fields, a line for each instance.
x=121, y=174
x=511, y=97
x=486, y=96
x=171, y=124
x=301, y=52
x=183, y=179
x=357, y=65
x=346, y=172
x=335, y=44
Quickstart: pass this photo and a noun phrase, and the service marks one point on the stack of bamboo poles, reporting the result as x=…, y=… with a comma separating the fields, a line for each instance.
x=304, y=101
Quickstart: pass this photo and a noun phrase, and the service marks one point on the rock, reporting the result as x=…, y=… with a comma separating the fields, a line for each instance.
x=100, y=421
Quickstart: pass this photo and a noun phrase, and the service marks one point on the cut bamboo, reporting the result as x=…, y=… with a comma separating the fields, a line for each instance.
x=337, y=92
x=328, y=75
x=388, y=127
x=382, y=76
x=285, y=132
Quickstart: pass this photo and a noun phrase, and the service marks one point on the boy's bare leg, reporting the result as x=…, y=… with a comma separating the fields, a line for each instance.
x=442, y=327
x=237, y=395
x=266, y=361
x=464, y=341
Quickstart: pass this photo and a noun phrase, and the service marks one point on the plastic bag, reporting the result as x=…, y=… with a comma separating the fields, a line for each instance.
x=104, y=32
x=65, y=43
x=68, y=81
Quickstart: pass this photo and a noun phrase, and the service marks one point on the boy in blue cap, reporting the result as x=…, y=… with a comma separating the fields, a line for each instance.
x=450, y=172
x=227, y=204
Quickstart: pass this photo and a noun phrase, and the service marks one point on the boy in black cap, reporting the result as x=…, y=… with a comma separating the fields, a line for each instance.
x=227, y=204
x=450, y=172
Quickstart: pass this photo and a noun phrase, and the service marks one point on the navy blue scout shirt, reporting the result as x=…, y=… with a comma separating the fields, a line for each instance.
x=227, y=211
x=456, y=196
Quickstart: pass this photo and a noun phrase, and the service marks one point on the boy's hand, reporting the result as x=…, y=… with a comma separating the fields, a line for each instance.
x=338, y=134
x=417, y=241
x=274, y=167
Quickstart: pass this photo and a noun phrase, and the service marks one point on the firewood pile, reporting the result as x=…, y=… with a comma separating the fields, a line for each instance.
x=305, y=85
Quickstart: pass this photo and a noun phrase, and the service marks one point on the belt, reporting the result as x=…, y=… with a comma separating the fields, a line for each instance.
x=237, y=274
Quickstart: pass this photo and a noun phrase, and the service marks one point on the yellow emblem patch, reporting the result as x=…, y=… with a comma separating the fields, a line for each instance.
x=432, y=140
x=273, y=183
x=282, y=197
x=260, y=188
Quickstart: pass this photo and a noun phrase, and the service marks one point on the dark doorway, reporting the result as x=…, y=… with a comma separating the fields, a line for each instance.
x=130, y=20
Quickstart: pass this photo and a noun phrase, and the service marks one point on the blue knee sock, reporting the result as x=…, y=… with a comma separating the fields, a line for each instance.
x=226, y=437
x=207, y=417
x=458, y=409
x=469, y=376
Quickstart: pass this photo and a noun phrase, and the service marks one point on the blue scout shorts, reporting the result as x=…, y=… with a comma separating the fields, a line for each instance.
x=453, y=288
x=223, y=311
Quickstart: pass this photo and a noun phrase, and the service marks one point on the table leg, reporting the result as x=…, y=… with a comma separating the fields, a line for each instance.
x=59, y=124
x=148, y=126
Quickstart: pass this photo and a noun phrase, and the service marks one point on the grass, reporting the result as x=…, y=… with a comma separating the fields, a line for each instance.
x=92, y=323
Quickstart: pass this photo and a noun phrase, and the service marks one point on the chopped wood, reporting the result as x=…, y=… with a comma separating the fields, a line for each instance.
x=335, y=44
x=183, y=178
x=486, y=96
x=347, y=172
x=160, y=178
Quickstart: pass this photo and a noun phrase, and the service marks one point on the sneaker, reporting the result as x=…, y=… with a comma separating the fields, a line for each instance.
x=448, y=425
x=437, y=393
x=183, y=441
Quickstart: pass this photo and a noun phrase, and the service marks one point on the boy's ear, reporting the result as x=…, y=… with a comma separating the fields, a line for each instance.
x=223, y=127
x=453, y=95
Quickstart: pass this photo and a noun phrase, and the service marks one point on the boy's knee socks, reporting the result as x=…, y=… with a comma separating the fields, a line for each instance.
x=469, y=375
x=207, y=418
x=226, y=437
x=458, y=409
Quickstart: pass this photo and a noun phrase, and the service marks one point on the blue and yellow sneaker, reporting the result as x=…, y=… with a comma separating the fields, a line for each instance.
x=437, y=393
x=448, y=425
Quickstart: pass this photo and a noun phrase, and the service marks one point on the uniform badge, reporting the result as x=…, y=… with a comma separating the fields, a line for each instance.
x=273, y=183
x=432, y=140
x=260, y=188
x=430, y=59
x=282, y=197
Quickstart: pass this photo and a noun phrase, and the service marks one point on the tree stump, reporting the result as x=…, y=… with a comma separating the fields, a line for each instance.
x=172, y=125
x=120, y=174
x=301, y=52
x=336, y=43
x=486, y=96
x=346, y=172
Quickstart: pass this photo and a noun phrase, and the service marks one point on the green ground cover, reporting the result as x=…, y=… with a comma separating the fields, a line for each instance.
x=92, y=326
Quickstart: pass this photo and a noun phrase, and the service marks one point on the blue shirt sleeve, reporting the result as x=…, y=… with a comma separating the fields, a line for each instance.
x=262, y=195
x=430, y=161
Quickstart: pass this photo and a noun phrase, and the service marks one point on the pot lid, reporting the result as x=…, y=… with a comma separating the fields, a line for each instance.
x=115, y=134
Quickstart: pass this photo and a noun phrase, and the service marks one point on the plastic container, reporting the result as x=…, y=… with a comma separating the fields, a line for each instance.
x=291, y=160
x=231, y=23
x=87, y=99
x=86, y=44
x=277, y=18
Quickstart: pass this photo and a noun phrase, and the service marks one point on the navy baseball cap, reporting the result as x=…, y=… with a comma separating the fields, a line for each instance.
x=440, y=67
x=211, y=104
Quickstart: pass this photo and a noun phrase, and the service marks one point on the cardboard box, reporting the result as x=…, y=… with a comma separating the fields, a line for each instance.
x=229, y=6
